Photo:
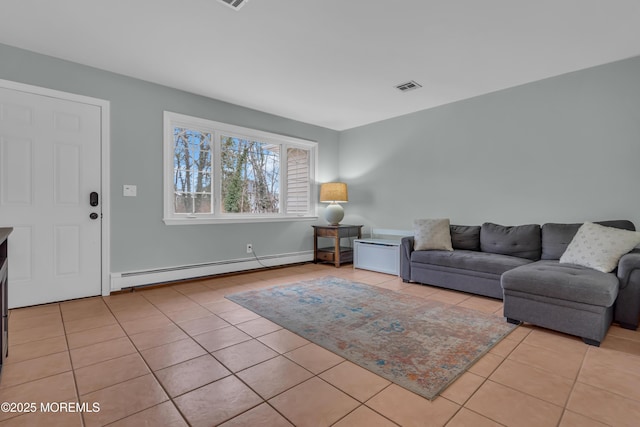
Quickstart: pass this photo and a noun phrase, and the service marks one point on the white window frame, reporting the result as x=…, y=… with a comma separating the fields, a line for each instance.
x=172, y=119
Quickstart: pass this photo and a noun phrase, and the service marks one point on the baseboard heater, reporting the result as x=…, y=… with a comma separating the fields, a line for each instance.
x=130, y=279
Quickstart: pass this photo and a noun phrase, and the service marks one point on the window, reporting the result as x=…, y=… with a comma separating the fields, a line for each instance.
x=215, y=172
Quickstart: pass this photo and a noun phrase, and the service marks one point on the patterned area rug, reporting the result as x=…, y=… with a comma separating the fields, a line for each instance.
x=418, y=344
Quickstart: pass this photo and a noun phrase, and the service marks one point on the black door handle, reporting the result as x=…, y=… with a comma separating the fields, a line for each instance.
x=93, y=199
x=93, y=215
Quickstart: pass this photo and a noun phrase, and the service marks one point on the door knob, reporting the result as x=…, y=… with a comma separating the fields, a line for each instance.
x=93, y=215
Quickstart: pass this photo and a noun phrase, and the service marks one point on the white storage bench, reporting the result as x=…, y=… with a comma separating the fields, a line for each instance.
x=381, y=252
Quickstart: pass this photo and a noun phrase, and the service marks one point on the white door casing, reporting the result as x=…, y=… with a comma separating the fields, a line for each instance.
x=52, y=148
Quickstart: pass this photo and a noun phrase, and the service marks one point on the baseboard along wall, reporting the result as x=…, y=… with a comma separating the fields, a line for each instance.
x=130, y=279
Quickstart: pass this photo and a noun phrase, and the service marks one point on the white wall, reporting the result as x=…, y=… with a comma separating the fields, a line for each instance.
x=565, y=149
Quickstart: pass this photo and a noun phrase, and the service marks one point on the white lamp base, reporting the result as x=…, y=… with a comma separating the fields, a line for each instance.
x=334, y=214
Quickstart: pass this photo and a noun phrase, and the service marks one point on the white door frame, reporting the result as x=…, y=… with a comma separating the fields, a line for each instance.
x=104, y=106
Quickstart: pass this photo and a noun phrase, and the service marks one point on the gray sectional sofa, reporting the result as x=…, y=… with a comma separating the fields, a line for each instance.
x=521, y=266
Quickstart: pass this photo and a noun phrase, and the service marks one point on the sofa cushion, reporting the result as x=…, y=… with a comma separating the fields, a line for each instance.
x=556, y=237
x=599, y=247
x=520, y=241
x=432, y=234
x=563, y=281
x=469, y=260
x=465, y=237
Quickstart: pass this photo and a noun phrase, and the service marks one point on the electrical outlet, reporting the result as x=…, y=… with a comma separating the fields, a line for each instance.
x=249, y=248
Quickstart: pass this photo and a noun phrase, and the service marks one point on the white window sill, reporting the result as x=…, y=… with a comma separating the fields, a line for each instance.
x=235, y=220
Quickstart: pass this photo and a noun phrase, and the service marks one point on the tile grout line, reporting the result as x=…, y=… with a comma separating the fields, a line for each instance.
x=573, y=385
x=485, y=379
x=374, y=395
x=231, y=372
x=462, y=406
x=263, y=400
x=234, y=374
x=73, y=371
x=577, y=380
x=52, y=375
x=150, y=370
x=172, y=322
x=522, y=341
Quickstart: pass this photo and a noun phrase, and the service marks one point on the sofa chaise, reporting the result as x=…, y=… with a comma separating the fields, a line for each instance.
x=521, y=265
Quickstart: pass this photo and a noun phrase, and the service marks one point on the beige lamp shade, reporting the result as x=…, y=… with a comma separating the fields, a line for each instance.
x=334, y=192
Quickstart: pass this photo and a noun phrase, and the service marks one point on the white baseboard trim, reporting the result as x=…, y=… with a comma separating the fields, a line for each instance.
x=129, y=279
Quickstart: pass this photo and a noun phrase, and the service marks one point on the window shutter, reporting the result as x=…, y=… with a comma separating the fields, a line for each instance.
x=298, y=181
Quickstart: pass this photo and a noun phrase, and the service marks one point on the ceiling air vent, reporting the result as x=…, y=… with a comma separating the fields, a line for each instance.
x=235, y=4
x=411, y=85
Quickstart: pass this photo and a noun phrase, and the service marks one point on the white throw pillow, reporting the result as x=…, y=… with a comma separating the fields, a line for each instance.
x=599, y=247
x=432, y=234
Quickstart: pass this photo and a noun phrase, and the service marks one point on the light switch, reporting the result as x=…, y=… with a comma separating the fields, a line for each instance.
x=129, y=190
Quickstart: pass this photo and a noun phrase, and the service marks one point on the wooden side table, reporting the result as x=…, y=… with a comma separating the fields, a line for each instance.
x=336, y=254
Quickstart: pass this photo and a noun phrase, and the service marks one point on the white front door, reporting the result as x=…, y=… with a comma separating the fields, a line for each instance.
x=50, y=164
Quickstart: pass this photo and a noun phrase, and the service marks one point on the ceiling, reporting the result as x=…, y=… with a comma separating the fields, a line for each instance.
x=327, y=62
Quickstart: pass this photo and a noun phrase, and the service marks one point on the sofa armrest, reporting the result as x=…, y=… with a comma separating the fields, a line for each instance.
x=406, y=247
x=628, y=303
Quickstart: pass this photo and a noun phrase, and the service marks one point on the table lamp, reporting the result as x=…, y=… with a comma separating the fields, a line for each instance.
x=334, y=193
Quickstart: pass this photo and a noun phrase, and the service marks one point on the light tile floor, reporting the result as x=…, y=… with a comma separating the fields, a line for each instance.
x=183, y=355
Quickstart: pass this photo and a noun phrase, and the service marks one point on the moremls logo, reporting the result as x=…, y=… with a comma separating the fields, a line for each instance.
x=70, y=407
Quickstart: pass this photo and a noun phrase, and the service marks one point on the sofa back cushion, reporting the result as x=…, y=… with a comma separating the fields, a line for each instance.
x=556, y=237
x=465, y=237
x=521, y=241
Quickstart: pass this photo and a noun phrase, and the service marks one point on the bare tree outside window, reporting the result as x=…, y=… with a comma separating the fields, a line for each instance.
x=192, y=171
x=250, y=176
x=217, y=172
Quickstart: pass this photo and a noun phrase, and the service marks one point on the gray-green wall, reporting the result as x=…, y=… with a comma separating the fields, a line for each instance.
x=561, y=149
x=139, y=238
x=564, y=149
